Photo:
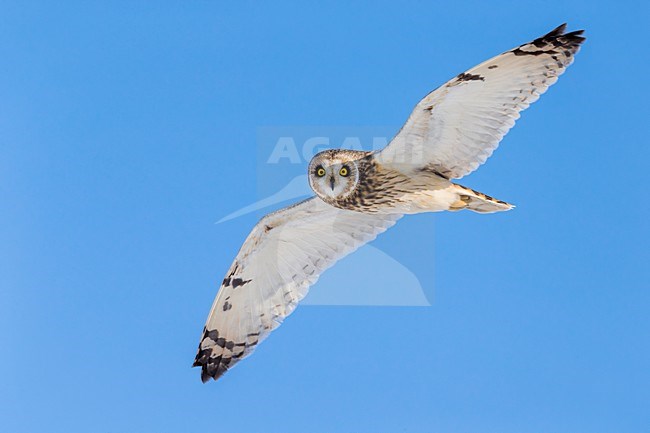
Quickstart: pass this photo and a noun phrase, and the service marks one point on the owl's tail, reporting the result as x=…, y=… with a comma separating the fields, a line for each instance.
x=477, y=201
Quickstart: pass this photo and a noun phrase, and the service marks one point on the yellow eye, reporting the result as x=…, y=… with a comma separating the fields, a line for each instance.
x=320, y=172
x=344, y=171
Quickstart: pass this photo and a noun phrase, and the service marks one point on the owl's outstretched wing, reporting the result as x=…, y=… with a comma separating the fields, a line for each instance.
x=284, y=255
x=455, y=128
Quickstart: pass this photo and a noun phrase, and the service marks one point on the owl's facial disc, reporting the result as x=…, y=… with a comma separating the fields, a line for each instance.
x=332, y=176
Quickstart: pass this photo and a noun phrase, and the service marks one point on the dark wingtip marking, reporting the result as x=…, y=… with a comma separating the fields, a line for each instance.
x=213, y=367
x=559, y=30
x=557, y=38
x=576, y=36
x=209, y=371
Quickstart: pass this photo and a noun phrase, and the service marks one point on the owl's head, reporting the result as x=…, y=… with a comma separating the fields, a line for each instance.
x=334, y=174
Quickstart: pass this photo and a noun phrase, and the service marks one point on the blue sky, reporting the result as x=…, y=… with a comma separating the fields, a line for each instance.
x=127, y=129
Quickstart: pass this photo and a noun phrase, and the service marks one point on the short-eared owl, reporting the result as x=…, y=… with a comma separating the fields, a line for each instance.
x=452, y=131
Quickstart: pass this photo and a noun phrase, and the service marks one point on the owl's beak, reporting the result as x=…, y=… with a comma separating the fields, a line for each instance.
x=332, y=182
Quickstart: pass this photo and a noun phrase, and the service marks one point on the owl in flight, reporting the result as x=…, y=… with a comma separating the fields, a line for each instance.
x=452, y=131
